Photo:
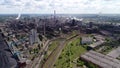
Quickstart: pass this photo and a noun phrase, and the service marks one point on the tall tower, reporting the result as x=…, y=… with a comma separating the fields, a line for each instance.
x=44, y=27
x=54, y=15
x=33, y=36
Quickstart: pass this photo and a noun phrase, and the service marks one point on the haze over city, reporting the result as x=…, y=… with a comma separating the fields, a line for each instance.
x=61, y=6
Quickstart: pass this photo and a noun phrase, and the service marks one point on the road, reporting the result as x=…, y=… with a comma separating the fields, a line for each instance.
x=45, y=48
x=41, y=56
x=35, y=63
x=56, y=53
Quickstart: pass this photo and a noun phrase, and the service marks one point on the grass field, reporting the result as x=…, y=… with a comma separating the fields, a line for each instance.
x=72, y=51
x=52, y=46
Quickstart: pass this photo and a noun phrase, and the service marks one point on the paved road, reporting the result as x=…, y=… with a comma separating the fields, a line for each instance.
x=45, y=48
x=42, y=55
x=36, y=61
x=56, y=53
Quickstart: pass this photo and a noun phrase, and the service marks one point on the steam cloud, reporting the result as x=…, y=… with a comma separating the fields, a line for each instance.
x=19, y=15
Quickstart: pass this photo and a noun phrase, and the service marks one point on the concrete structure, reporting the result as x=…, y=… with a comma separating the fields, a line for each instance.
x=96, y=44
x=99, y=41
x=115, y=53
x=102, y=61
x=86, y=40
x=105, y=33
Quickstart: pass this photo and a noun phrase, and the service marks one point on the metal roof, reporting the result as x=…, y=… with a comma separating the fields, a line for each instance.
x=101, y=60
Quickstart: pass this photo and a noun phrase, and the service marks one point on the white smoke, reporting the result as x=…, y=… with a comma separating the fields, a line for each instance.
x=19, y=15
x=81, y=19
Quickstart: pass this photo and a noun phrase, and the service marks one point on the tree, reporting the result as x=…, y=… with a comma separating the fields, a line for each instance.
x=80, y=63
x=90, y=65
x=40, y=37
x=39, y=47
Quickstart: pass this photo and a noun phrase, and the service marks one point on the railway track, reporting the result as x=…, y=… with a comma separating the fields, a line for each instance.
x=56, y=53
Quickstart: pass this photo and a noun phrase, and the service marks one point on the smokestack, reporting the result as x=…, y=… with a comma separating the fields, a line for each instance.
x=54, y=13
x=44, y=26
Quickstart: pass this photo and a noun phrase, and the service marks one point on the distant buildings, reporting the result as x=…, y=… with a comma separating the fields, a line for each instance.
x=105, y=33
x=90, y=24
x=89, y=30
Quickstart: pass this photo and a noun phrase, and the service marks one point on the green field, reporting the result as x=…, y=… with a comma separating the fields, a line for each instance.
x=52, y=46
x=71, y=52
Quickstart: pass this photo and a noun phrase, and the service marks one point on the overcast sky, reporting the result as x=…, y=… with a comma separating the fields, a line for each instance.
x=61, y=6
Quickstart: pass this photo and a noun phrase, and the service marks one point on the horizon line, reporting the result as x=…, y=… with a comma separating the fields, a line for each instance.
x=56, y=13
